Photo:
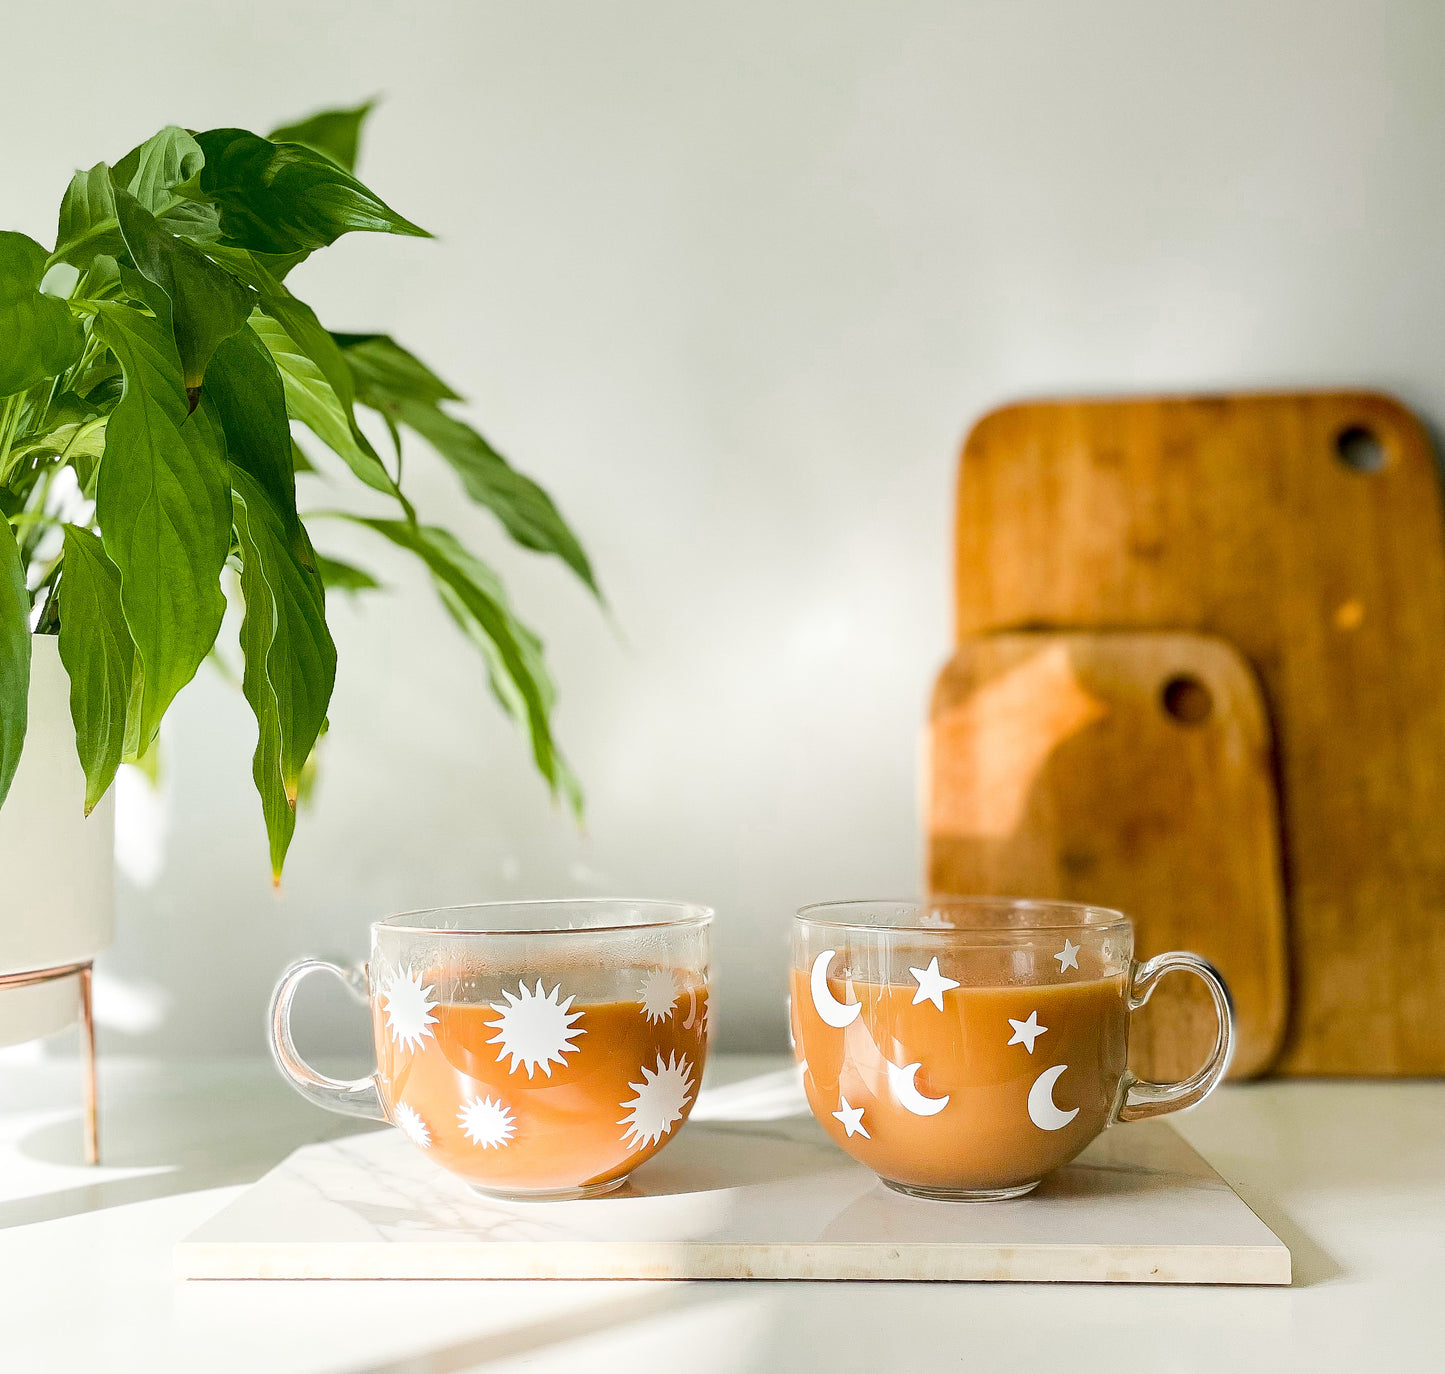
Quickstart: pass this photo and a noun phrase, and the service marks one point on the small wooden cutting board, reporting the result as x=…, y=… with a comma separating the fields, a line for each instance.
x=1135, y=771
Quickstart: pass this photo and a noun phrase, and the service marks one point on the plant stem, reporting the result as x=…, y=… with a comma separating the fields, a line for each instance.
x=45, y=586
x=35, y=507
x=8, y=423
x=82, y=432
x=93, y=348
x=49, y=622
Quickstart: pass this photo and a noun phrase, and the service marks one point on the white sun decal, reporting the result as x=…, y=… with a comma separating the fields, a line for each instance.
x=411, y=1125
x=657, y=1108
x=658, y=994
x=408, y=1008
x=487, y=1123
x=534, y=1029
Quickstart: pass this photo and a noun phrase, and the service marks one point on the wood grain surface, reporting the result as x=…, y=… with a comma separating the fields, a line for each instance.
x=1237, y=516
x=1132, y=770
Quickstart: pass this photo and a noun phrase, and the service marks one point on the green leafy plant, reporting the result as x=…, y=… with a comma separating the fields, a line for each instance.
x=152, y=367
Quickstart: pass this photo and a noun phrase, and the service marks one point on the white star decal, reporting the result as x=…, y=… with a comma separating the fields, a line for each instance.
x=1068, y=957
x=852, y=1118
x=1026, y=1032
x=931, y=984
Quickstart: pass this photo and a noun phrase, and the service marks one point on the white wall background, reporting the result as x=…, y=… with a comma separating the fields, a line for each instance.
x=732, y=281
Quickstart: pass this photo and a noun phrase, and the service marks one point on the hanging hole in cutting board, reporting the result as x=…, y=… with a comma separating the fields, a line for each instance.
x=1359, y=447
x=1187, y=699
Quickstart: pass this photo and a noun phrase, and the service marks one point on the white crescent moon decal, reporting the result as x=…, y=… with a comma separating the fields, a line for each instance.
x=835, y=1013
x=1042, y=1111
x=909, y=1098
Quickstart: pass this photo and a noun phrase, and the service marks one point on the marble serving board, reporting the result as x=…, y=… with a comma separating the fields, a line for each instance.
x=751, y=1189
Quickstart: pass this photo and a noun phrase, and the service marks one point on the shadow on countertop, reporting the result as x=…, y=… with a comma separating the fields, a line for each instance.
x=168, y=1128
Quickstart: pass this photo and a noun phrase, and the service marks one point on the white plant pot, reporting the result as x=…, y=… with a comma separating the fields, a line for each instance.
x=57, y=890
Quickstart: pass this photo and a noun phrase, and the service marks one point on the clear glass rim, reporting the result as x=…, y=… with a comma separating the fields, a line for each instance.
x=987, y=915
x=645, y=914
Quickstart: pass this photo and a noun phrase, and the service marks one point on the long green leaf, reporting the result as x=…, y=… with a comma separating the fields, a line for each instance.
x=163, y=503
x=404, y=390
x=39, y=337
x=263, y=271
x=98, y=653
x=311, y=399
x=344, y=577
x=72, y=442
x=312, y=341
x=504, y=689
x=290, y=658
x=87, y=223
x=102, y=277
x=89, y=229
x=198, y=222
x=526, y=511
x=311, y=350
x=333, y=132
x=385, y=372
x=140, y=290
x=246, y=390
x=475, y=596
x=14, y=657
x=285, y=197
x=208, y=304
x=77, y=444
x=153, y=171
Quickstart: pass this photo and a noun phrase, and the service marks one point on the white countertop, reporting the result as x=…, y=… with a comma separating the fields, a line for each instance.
x=1351, y=1175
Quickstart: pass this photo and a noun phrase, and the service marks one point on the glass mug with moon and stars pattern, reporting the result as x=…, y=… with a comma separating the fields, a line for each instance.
x=534, y=1049
x=962, y=1048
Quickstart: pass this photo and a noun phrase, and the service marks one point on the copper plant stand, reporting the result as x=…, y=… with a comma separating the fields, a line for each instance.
x=87, y=1031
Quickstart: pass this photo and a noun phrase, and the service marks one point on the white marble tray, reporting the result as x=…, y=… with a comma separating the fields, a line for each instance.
x=748, y=1190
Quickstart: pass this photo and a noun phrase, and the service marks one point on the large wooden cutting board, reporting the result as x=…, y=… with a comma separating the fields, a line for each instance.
x=1131, y=770
x=1238, y=516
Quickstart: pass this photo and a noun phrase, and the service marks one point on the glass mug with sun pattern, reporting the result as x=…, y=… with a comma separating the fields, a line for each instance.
x=962, y=1048
x=535, y=1049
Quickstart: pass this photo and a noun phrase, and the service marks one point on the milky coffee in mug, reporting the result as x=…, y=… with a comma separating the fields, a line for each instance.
x=533, y=1049
x=964, y=1048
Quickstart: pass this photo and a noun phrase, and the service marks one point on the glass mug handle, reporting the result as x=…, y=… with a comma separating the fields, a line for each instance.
x=351, y=1097
x=1142, y=1099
